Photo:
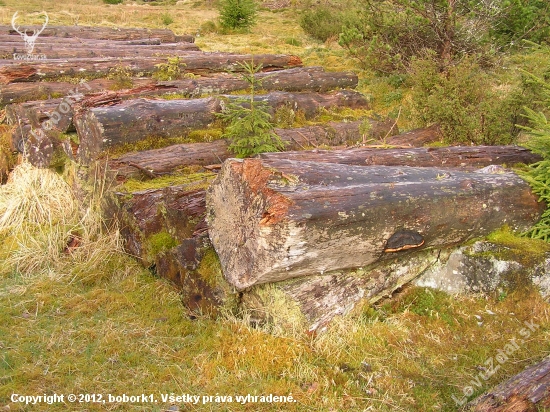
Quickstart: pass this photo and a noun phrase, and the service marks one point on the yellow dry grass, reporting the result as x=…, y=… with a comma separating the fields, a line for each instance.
x=91, y=320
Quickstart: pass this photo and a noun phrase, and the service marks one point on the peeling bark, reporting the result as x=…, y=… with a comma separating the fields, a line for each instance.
x=452, y=157
x=529, y=390
x=272, y=220
x=195, y=62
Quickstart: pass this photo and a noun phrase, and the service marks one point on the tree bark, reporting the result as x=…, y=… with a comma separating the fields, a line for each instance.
x=103, y=33
x=29, y=91
x=195, y=62
x=416, y=137
x=152, y=221
x=168, y=159
x=310, y=303
x=272, y=220
x=16, y=40
x=527, y=391
x=135, y=120
x=296, y=79
x=447, y=157
x=85, y=51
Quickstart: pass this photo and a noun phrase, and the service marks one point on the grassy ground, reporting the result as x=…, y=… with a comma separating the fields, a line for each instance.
x=91, y=321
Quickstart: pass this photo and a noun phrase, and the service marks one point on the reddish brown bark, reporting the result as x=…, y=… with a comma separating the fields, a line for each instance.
x=271, y=220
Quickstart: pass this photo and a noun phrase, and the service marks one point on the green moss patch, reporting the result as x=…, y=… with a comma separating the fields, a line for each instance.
x=160, y=242
x=198, y=180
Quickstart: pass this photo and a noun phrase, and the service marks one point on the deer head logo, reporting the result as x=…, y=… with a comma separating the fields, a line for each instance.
x=29, y=39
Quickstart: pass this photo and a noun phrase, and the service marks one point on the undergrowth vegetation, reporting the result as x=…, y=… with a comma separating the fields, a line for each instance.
x=80, y=316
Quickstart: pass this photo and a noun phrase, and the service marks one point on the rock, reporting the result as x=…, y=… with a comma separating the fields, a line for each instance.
x=486, y=267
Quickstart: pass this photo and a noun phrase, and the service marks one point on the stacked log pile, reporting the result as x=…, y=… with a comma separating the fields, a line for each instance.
x=320, y=229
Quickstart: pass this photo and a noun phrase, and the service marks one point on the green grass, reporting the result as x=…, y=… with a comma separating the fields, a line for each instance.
x=94, y=321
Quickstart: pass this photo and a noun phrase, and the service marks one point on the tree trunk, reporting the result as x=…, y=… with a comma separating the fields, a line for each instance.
x=103, y=33
x=310, y=303
x=296, y=79
x=168, y=159
x=195, y=62
x=527, y=391
x=135, y=120
x=416, y=138
x=448, y=157
x=272, y=220
x=15, y=40
x=82, y=51
x=165, y=229
x=23, y=92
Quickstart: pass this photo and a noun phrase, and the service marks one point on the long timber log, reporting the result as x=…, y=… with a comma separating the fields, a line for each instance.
x=15, y=41
x=77, y=51
x=446, y=157
x=195, y=62
x=273, y=220
x=289, y=80
x=168, y=159
x=135, y=120
x=165, y=229
x=529, y=390
x=103, y=33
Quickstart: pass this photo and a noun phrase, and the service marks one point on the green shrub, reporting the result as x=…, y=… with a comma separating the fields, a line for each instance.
x=113, y=1
x=248, y=122
x=237, y=14
x=522, y=20
x=167, y=19
x=538, y=174
x=322, y=22
x=463, y=101
x=173, y=69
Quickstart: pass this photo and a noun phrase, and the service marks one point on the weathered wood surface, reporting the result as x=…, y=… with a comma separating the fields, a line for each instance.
x=15, y=40
x=176, y=210
x=102, y=33
x=152, y=221
x=272, y=220
x=447, y=157
x=168, y=159
x=77, y=51
x=416, y=137
x=527, y=391
x=195, y=62
x=135, y=120
x=316, y=300
x=295, y=79
x=23, y=92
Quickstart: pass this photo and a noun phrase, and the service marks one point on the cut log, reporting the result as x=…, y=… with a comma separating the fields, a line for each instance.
x=447, y=157
x=102, y=33
x=195, y=62
x=171, y=158
x=176, y=212
x=153, y=221
x=527, y=391
x=135, y=120
x=23, y=92
x=296, y=79
x=310, y=303
x=417, y=137
x=272, y=220
x=15, y=40
x=77, y=51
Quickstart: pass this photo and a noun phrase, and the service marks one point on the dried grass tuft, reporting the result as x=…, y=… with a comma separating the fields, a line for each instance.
x=55, y=234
